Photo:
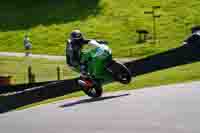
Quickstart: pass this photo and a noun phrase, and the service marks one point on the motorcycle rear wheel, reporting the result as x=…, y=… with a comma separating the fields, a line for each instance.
x=95, y=91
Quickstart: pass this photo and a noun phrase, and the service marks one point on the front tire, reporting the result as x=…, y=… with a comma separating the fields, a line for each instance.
x=123, y=76
x=119, y=72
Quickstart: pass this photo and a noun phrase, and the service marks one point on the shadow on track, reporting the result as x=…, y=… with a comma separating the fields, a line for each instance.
x=91, y=100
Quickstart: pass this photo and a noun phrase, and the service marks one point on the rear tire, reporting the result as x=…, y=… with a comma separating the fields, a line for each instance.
x=95, y=91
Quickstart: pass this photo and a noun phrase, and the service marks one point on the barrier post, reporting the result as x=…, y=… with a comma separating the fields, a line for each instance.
x=30, y=75
x=58, y=73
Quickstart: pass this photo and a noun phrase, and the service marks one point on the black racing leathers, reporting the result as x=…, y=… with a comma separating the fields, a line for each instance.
x=73, y=51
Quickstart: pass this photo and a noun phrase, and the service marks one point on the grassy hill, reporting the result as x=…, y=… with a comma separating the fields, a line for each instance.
x=49, y=22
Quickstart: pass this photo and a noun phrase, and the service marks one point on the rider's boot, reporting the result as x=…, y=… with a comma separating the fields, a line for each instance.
x=84, y=81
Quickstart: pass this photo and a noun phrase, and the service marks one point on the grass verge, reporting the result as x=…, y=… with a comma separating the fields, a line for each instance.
x=44, y=69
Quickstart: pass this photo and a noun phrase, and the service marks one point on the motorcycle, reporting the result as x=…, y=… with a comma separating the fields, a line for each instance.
x=101, y=69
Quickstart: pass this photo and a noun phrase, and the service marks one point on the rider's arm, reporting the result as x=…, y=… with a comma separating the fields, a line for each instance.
x=86, y=41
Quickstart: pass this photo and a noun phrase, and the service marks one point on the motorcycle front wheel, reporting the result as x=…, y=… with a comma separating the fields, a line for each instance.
x=119, y=72
x=123, y=76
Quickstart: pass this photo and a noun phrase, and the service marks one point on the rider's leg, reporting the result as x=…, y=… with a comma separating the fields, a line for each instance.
x=72, y=59
x=84, y=81
x=83, y=69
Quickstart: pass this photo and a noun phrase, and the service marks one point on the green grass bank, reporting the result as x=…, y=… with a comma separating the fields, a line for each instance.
x=49, y=22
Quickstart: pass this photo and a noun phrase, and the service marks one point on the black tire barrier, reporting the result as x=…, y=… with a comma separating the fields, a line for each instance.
x=14, y=100
x=20, y=87
x=179, y=56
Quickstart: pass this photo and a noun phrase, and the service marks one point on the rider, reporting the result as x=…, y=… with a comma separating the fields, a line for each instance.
x=73, y=50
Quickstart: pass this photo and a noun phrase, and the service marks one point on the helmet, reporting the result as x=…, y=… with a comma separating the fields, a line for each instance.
x=76, y=35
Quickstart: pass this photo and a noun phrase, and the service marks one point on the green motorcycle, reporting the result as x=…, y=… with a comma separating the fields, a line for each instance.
x=101, y=69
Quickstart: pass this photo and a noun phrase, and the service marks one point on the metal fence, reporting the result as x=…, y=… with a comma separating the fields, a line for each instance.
x=37, y=70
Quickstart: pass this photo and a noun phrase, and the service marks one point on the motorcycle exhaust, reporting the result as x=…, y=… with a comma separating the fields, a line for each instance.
x=82, y=83
x=85, y=84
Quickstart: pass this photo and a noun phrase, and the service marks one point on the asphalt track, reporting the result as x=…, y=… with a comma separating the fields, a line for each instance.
x=165, y=109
